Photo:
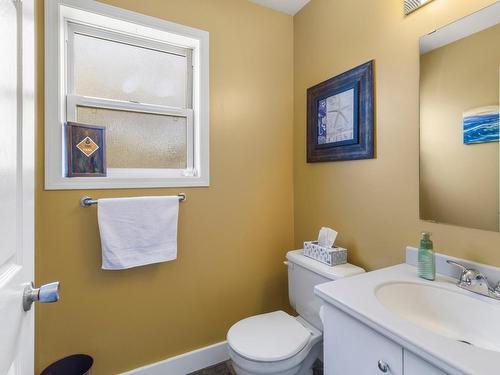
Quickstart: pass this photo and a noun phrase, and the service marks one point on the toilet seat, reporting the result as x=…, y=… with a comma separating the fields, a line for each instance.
x=275, y=336
x=296, y=364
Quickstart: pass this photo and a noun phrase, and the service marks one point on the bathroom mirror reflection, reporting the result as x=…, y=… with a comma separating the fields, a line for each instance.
x=459, y=99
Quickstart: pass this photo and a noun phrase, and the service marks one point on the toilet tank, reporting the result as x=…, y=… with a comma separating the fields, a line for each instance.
x=303, y=275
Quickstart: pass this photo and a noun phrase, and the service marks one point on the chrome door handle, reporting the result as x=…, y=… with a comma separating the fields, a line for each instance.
x=382, y=366
x=47, y=293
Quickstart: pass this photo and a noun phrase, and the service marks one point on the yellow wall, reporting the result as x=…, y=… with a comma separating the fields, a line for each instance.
x=459, y=182
x=373, y=203
x=232, y=236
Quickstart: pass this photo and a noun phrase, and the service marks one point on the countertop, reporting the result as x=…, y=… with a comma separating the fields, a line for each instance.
x=356, y=296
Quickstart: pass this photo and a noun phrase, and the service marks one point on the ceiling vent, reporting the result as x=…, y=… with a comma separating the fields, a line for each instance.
x=413, y=5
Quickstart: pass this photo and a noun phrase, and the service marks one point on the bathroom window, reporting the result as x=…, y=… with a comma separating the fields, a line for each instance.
x=143, y=79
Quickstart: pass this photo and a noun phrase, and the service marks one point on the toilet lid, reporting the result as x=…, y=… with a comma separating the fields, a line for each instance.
x=268, y=337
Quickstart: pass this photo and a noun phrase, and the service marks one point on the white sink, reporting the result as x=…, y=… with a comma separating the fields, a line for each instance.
x=455, y=315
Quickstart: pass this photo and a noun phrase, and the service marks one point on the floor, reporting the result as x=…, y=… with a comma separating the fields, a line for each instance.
x=225, y=368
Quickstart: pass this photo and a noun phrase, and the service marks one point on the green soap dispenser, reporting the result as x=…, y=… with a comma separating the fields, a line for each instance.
x=426, y=258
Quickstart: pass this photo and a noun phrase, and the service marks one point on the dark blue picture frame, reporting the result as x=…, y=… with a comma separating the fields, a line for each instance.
x=361, y=146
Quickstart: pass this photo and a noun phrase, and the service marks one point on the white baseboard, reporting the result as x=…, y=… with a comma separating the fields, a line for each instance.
x=186, y=363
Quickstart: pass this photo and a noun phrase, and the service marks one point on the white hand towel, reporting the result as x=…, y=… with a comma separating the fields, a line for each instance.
x=137, y=231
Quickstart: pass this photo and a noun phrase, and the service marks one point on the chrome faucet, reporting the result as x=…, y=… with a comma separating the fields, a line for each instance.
x=474, y=281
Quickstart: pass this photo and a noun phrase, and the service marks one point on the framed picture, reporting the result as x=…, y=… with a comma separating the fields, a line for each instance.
x=481, y=125
x=340, y=117
x=86, y=150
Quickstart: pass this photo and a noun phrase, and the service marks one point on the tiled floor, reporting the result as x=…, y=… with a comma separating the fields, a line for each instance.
x=318, y=367
x=225, y=368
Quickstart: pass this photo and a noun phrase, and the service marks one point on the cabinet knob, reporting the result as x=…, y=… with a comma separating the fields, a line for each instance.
x=382, y=366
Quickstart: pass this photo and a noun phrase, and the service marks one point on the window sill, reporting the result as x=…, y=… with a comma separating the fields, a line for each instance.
x=128, y=178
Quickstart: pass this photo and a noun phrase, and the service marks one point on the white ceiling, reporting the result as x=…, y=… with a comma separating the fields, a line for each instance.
x=482, y=19
x=286, y=6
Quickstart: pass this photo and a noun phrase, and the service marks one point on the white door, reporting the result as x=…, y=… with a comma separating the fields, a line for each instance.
x=16, y=183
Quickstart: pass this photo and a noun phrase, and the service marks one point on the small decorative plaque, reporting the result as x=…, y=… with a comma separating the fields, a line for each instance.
x=86, y=146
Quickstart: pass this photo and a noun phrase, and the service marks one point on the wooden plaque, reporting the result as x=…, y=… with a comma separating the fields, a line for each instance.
x=86, y=150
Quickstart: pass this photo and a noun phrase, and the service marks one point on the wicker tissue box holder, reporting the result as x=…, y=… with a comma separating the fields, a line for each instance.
x=332, y=256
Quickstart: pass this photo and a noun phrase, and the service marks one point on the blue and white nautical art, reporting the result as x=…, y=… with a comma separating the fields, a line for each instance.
x=337, y=117
x=481, y=125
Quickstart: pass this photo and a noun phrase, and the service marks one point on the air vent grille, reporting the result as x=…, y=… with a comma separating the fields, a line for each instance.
x=413, y=5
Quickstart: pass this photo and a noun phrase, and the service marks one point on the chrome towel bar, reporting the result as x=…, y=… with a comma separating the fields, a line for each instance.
x=86, y=201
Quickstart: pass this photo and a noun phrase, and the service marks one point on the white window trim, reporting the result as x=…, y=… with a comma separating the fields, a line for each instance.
x=57, y=13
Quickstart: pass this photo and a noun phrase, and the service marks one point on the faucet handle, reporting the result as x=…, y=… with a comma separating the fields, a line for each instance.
x=465, y=276
x=468, y=274
x=456, y=264
x=496, y=289
x=472, y=279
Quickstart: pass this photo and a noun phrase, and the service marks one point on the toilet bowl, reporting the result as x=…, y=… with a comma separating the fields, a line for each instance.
x=277, y=343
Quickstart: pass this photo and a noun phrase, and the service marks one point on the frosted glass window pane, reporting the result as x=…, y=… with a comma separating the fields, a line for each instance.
x=140, y=140
x=112, y=70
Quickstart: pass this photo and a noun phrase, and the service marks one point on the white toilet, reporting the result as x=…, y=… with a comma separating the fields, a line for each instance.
x=278, y=343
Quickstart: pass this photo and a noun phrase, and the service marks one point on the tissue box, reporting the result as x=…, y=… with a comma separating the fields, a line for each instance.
x=332, y=256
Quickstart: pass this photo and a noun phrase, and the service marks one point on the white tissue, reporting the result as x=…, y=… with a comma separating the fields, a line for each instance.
x=327, y=237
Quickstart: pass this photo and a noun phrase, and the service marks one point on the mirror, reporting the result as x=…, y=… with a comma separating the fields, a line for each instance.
x=459, y=122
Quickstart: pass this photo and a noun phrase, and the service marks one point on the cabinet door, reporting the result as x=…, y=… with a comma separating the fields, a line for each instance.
x=352, y=348
x=414, y=365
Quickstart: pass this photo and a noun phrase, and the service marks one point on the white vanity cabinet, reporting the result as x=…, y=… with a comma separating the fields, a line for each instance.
x=414, y=365
x=351, y=347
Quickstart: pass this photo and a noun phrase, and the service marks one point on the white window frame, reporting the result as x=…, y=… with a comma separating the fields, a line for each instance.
x=62, y=18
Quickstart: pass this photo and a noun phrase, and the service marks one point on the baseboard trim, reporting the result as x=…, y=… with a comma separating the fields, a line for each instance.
x=186, y=363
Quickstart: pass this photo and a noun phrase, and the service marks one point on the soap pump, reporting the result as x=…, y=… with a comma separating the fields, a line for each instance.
x=426, y=258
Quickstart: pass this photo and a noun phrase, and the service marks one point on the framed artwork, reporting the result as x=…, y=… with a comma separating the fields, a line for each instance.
x=86, y=150
x=340, y=117
x=481, y=125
